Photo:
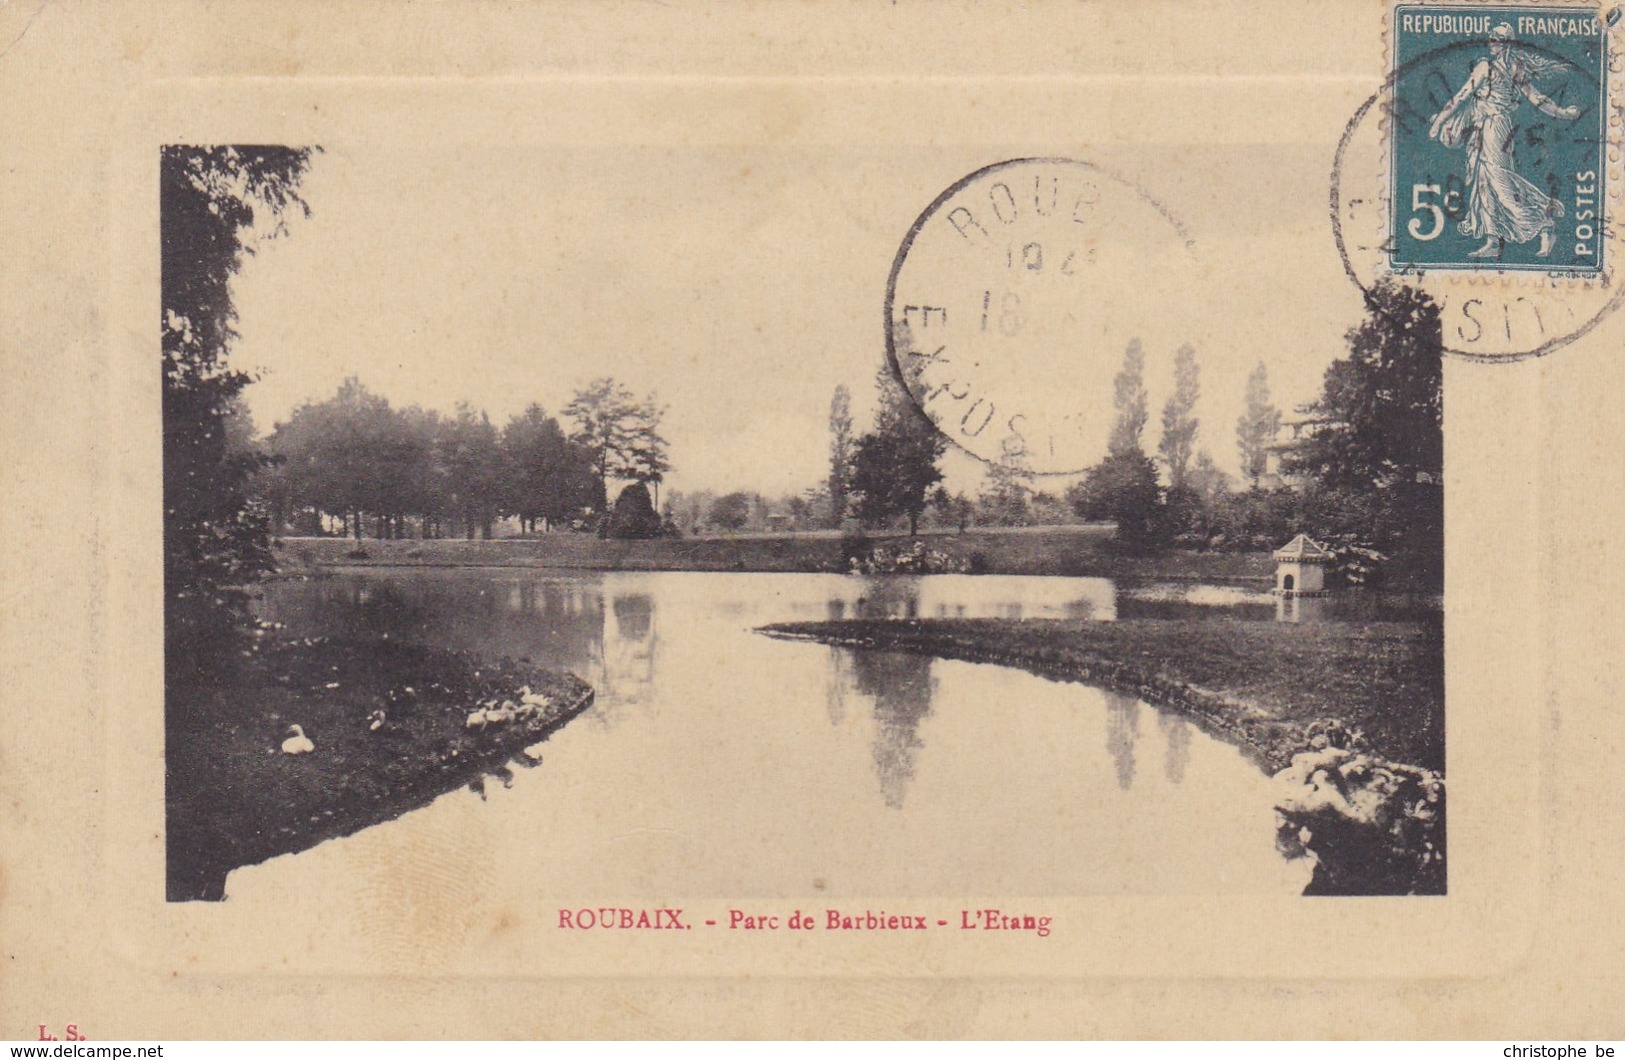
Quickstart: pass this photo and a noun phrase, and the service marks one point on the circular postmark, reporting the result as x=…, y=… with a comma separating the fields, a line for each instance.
x=1484, y=172
x=1012, y=298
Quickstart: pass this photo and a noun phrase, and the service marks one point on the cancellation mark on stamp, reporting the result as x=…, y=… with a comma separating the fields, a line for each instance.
x=1482, y=173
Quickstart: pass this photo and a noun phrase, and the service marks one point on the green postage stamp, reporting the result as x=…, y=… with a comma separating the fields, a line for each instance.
x=1498, y=130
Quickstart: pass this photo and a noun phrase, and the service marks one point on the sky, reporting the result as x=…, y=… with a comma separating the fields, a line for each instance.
x=741, y=283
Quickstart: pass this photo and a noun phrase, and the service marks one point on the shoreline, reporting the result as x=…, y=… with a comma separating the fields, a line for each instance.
x=234, y=799
x=1168, y=664
x=1064, y=551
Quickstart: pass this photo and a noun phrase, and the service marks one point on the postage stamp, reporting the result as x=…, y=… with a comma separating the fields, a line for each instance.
x=1485, y=172
x=1499, y=121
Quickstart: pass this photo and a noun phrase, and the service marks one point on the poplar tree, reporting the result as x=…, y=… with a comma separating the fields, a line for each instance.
x=1179, y=422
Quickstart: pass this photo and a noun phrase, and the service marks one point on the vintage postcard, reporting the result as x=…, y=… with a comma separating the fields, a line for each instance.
x=831, y=520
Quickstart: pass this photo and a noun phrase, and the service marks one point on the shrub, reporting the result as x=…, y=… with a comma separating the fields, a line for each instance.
x=912, y=558
x=633, y=517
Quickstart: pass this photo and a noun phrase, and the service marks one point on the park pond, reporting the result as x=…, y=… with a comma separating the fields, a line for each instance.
x=719, y=762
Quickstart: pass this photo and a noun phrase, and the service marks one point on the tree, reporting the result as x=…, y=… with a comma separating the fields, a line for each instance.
x=350, y=429
x=1128, y=398
x=1207, y=479
x=1124, y=487
x=648, y=462
x=840, y=452
x=1378, y=443
x=215, y=205
x=1008, y=496
x=621, y=434
x=473, y=460
x=1179, y=422
x=546, y=476
x=895, y=465
x=953, y=509
x=731, y=511
x=1258, y=425
x=815, y=508
x=633, y=516
x=690, y=510
x=429, y=494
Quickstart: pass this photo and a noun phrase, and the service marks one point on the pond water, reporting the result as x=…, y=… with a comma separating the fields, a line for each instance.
x=720, y=762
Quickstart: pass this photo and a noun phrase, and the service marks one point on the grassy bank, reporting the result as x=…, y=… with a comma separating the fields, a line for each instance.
x=389, y=727
x=1257, y=684
x=1058, y=550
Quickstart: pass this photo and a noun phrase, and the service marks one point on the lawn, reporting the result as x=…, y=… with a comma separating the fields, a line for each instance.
x=389, y=725
x=1050, y=550
x=1260, y=684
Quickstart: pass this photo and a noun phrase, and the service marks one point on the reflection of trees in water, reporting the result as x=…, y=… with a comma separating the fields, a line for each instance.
x=1176, y=732
x=629, y=642
x=901, y=687
x=835, y=686
x=560, y=624
x=382, y=607
x=889, y=596
x=1122, y=729
x=1080, y=609
x=355, y=606
x=634, y=617
x=551, y=622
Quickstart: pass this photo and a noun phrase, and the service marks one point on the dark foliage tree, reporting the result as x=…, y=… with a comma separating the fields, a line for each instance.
x=1124, y=486
x=1258, y=425
x=1377, y=451
x=215, y=203
x=473, y=457
x=1254, y=520
x=430, y=491
x=895, y=465
x=634, y=516
x=731, y=511
x=354, y=458
x=1179, y=422
x=546, y=476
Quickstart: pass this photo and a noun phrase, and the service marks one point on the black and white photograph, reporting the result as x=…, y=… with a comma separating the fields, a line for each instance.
x=479, y=525
x=959, y=521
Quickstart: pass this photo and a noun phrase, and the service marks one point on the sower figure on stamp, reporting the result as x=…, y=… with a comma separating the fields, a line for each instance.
x=1501, y=205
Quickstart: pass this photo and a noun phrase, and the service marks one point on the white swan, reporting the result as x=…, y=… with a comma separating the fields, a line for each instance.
x=297, y=743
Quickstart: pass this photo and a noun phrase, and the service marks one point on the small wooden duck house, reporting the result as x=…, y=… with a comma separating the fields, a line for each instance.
x=1300, y=567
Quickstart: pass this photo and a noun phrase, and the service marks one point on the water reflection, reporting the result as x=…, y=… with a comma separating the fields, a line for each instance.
x=900, y=686
x=1122, y=729
x=628, y=667
x=1196, y=602
x=1176, y=732
x=1300, y=608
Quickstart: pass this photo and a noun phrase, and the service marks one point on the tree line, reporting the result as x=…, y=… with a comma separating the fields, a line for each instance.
x=410, y=471
x=1364, y=479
